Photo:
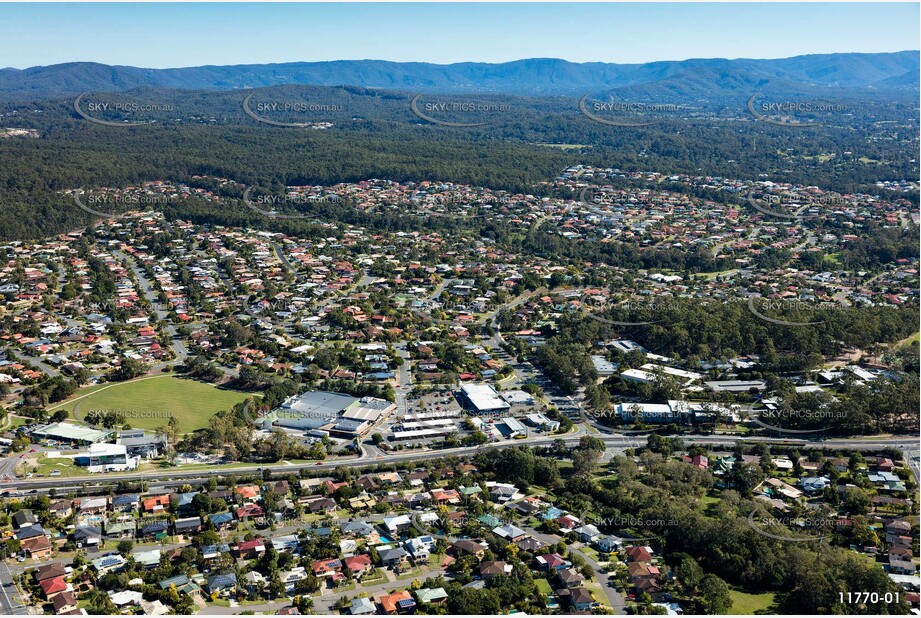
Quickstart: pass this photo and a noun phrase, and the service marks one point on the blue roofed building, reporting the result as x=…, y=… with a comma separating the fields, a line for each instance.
x=814, y=484
x=222, y=583
x=126, y=502
x=221, y=520
x=185, y=503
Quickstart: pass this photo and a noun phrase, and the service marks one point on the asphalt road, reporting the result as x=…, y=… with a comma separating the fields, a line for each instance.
x=9, y=594
x=32, y=360
x=616, y=442
x=8, y=467
x=150, y=292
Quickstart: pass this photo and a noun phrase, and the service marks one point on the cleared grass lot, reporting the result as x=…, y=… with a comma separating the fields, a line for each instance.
x=543, y=586
x=64, y=465
x=149, y=402
x=745, y=604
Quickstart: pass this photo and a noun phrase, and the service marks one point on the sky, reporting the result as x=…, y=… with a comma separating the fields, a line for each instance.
x=159, y=35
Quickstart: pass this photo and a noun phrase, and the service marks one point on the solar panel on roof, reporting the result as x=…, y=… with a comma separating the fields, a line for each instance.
x=406, y=603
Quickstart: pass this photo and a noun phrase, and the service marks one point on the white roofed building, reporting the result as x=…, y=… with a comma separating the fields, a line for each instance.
x=647, y=412
x=483, y=398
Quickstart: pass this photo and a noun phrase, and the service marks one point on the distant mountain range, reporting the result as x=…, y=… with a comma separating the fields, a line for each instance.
x=891, y=72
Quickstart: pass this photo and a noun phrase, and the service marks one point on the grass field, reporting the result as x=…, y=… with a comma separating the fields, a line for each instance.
x=543, y=586
x=16, y=421
x=149, y=402
x=708, y=505
x=714, y=275
x=745, y=604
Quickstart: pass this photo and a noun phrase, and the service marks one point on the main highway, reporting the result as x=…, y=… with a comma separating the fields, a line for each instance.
x=614, y=442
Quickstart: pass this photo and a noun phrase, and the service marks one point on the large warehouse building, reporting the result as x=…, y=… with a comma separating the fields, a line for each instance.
x=483, y=398
x=70, y=433
x=341, y=415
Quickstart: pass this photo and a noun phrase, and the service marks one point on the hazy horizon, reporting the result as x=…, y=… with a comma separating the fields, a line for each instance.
x=195, y=66
x=158, y=35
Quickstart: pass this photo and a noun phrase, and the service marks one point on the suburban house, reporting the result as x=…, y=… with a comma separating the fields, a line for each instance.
x=579, y=599
x=490, y=569
x=552, y=562
x=358, y=565
x=397, y=602
x=392, y=556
